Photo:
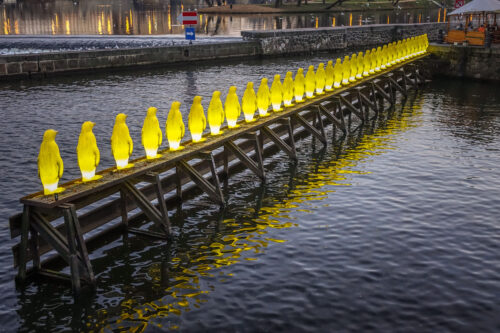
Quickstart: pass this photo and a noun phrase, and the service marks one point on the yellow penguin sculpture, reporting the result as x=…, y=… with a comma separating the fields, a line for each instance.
x=373, y=61
x=384, y=57
x=87, y=152
x=276, y=93
x=337, y=74
x=196, y=120
x=299, y=85
x=367, y=60
x=175, y=127
x=121, y=142
x=359, y=70
x=354, y=68
x=232, y=107
x=346, y=71
x=329, y=76
x=215, y=114
x=152, y=135
x=310, y=82
x=263, y=98
x=249, y=103
x=50, y=164
x=378, y=61
x=320, y=78
x=288, y=90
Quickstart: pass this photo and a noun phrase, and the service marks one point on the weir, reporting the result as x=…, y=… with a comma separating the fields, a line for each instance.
x=170, y=178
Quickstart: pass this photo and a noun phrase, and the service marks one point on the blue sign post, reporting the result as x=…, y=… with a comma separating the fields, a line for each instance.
x=190, y=35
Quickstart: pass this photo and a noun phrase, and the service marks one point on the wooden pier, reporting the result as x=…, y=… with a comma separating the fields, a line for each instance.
x=199, y=166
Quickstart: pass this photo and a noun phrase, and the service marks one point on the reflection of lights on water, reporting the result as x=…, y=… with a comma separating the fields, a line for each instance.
x=16, y=27
x=360, y=20
x=149, y=24
x=333, y=22
x=68, y=31
x=109, y=26
x=316, y=23
x=439, y=15
x=53, y=27
x=387, y=19
x=350, y=19
x=240, y=241
x=6, y=26
x=444, y=15
x=57, y=22
x=169, y=19
x=419, y=18
x=99, y=26
x=130, y=15
x=127, y=26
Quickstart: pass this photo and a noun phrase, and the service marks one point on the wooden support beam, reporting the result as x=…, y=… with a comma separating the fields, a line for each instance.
x=81, y=246
x=310, y=128
x=252, y=165
x=289, y=150
x=25, y=225
x=330, y=115
x=73, y=259
x=404, y=78
x=214, y=192
x=51, y=235
x=34, y=247
x=123, y=207
x=382, y=92
x=154, y=178
x=396, y=85
x=352, y=108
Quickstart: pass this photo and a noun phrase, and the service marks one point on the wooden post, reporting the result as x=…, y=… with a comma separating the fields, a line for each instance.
x=21, y=275
x=123, y=208
x=73, y=259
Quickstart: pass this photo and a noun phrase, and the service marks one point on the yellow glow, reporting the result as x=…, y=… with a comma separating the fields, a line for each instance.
x=68, y=31
x=419, y=18
x=127, y=26
x=149, y=24
x=50, y=163
x=152, y=135
x=378, y=59
x=350, y=19
x=249, y=103
x=16, y=27
x=263, y=98
x=276, y=93
x=360, y=65
x=373, y=61
x=121, y=142
x=439, y=15
x=367, y=60
x=388, y=21
x=320, y=79
x=288, y=92
x=215, y=114
x=383, y=57
x=299, y=85
x=197, y=122
x=333, y=21
x=175, y=127
x=337, y=73
x=353, y=67
x=346, y=70
x=310, y=82
x=169, y=19
x=53, y=26
x=109, y=26
x=99, y=26
x=232, y=107
x=130, y=15
x=57, y=22
x=329, y=76
x=88, y=152
x=316, y=24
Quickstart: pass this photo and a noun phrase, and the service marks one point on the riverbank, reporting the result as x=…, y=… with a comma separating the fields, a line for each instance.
x=292, y=8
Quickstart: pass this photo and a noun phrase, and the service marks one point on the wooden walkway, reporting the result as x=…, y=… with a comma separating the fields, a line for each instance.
x=200, y=165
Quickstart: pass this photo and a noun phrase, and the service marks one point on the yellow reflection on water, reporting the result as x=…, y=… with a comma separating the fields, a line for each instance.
x=333, y=21
x=240, y=241
x=127, y=26
x=109, y=26
x=317, y=23
x=68, y=30
x=350, y=19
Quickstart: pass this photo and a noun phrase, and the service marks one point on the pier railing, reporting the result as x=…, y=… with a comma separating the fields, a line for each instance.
x=201, y=166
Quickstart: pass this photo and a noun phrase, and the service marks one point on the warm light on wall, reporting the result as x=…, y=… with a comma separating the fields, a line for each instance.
x=276, y=93
x=175, y=127
x=121, y=142
x=197, y=122
x=232, y=108
x=87, y=152
x=263, y=98
x=50, y=164
x=249, y=103
x=215, y=114
x=152, y=135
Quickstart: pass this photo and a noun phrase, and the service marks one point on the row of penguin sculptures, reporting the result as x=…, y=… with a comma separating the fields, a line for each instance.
x=333, y=76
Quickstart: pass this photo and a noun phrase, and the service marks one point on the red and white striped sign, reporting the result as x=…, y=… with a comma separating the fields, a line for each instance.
x=459, y=3
x=189, y=18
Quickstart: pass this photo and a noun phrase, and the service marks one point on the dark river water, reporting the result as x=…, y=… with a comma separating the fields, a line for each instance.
x=394, y=229
x=129, y=17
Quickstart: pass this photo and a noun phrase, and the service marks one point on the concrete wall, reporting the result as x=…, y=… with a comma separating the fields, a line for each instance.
x=465, y=61
x=294, y=41
x=15, y=66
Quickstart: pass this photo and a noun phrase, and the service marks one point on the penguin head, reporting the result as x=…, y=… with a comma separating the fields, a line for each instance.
x=346, y=58
x=87, y=126
x=378, y=49
x=337, y=61
x=360, y=54
x=264, y=80
x=121, y=117
x=197, y=100
x=152, y=111
x=175, y=105
x=277, y=77
x=353, y=56
x=385, y=47
x=232, y=90
x=250, y=85
x=321, y=65
x=216, y=94
x=311, y=68
x=367, y=52
x=373, y=50
x=288, y=74
x=330, y=62
x=300, y=70
x=49, y=134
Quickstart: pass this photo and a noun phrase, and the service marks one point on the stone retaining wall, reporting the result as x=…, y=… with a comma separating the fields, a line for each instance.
x=49, y=63
x=465, y=61
x=295, y=41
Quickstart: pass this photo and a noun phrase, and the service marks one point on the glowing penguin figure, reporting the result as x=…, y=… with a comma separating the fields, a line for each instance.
x=310, y=82
x=87, y=152
x=232, y=107
x=151, y=134
x=337, y=74
x=197, y=122
x=378, y=63
x=288, y=89
x=329, y=76
x=276, y=93
x=249, y=103
x=383, y=58
x=299, y=85
x=121, y=142
x=359, y=70
x=353, y=67
x=50, y=164
x=398, y=52
x=175, y=127
x=215, y=114
x=390, y=55
x=366, y=63
x=346, y=71
x=263, y=98
x=320, y=79
x=373, y=61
